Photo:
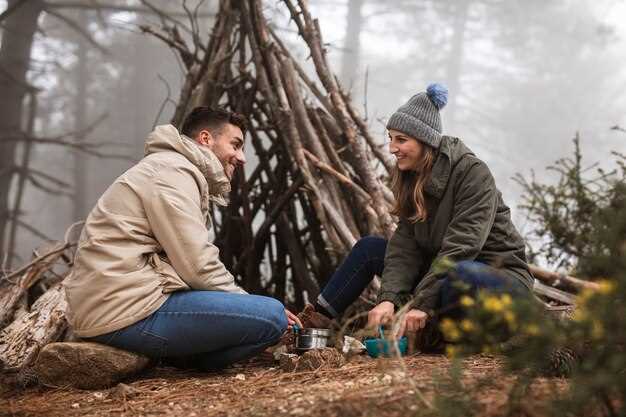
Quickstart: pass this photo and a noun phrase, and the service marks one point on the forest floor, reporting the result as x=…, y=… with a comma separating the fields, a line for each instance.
x=362, y=387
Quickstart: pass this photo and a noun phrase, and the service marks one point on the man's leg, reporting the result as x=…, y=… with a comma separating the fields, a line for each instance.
x=365, y=260
x=214, y=328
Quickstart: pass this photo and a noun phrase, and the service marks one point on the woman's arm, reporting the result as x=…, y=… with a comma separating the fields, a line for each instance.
x=403, y=263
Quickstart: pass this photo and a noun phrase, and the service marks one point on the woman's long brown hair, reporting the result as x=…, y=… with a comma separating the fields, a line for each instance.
x=408, y=188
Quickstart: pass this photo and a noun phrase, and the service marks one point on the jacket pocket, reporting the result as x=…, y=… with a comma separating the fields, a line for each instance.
x=169, y=279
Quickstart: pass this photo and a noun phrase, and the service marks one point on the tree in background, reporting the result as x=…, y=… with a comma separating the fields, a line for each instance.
x=84, y=81
x=580, y=221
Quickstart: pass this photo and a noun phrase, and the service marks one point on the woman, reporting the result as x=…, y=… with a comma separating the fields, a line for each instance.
x=448, y=208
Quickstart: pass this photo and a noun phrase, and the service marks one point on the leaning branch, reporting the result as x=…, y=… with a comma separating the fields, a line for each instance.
x=98, y=6
x=75, y=26
x=555, y=279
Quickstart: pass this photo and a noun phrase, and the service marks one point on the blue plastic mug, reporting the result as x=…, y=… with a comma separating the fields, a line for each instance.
x=380, y=346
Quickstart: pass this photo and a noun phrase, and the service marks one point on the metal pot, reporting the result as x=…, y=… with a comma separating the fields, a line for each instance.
x=307, y=339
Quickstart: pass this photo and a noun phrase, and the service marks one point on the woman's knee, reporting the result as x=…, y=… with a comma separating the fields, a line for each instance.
x=371, y=246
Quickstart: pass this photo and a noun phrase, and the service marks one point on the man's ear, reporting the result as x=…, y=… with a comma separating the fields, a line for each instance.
x=204, y=137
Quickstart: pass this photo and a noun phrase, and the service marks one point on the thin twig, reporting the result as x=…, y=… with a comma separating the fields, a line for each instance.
x=168, y=99
x=66, y=245
x=38, y=260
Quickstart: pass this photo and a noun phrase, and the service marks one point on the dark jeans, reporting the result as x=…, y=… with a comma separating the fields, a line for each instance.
x=366, y=259
x=204, y=329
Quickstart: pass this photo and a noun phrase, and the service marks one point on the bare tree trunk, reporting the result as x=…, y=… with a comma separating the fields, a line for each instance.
x=351, y=57
x=17, y=41
x=455, y=60
x=80, y=173
x=21, y=182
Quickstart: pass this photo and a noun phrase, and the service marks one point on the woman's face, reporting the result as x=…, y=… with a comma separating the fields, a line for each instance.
x=407, y=150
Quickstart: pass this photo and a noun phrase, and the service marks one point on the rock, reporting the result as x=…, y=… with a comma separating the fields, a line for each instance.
x=278, y=351
x=123, y=391
x=288, y=361
x=86, y=365
x=352, y=345
x=314, y=359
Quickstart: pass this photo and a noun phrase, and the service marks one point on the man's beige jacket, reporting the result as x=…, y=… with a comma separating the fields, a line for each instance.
x=148, y=236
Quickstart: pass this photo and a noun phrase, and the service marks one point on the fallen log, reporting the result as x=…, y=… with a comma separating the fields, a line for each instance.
x=21, y=340
x=553, y=293
x=14, y=287
x=555, y=279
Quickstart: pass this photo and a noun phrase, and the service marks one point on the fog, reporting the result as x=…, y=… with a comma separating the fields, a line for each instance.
x=524, y=78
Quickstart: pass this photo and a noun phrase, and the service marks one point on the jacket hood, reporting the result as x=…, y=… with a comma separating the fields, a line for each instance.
x=451, y=151
x=166, y=138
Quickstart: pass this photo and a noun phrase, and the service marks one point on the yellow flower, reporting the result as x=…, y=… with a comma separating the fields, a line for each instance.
x=597, y=330
x=450, y=331
x=452, y=351
x=447, y=324
x=493, y=304
x=532, y=330
x=467, y=301
x=467, y=326
x=509, y=316
x=506, y=300
x=579, y=315
x=606, y=286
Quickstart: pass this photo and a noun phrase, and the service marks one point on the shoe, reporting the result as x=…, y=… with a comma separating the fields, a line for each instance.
x=312, y=319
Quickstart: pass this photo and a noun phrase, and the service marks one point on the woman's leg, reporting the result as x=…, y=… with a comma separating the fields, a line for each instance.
x=365, y=260
x=469, y=278
x=214, y=328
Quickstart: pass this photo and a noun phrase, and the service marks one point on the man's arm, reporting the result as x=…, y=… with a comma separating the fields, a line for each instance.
x=172, y=204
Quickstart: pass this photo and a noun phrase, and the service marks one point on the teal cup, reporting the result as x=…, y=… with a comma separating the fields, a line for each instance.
x=380, y=346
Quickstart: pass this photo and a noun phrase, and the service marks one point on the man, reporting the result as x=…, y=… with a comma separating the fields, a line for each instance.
x=146, y=278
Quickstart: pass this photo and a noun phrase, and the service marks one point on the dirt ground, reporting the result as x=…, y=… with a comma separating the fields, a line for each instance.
x=362, y=387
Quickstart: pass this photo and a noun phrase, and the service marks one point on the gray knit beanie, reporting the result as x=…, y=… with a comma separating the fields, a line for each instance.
x=419, y=118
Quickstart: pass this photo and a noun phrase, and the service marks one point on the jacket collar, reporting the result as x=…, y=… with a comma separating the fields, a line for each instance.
x=167, y=138
x=450, y=152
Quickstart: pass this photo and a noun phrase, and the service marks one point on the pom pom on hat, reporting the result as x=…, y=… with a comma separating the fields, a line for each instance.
x=438, y=94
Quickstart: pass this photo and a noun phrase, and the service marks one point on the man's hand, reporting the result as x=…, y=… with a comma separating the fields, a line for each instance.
x=381, y=314
x=412, y=322
x=292, y=319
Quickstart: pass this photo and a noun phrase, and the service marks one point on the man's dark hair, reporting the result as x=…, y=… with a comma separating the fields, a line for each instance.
x=211, y=118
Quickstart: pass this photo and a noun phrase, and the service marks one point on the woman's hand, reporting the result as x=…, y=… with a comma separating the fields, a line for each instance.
x=412, y=322
x=292, y=319
x=381, y=314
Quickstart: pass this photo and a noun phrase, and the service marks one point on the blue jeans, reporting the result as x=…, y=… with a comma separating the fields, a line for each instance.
x=366, y=259
x=204, y=329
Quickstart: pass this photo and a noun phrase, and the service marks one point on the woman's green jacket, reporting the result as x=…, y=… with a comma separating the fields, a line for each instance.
x=467, y=220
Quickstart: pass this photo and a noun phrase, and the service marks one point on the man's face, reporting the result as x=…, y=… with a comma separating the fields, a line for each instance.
x=227, y=145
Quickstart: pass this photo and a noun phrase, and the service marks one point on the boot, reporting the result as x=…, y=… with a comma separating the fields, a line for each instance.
x=312, y=319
